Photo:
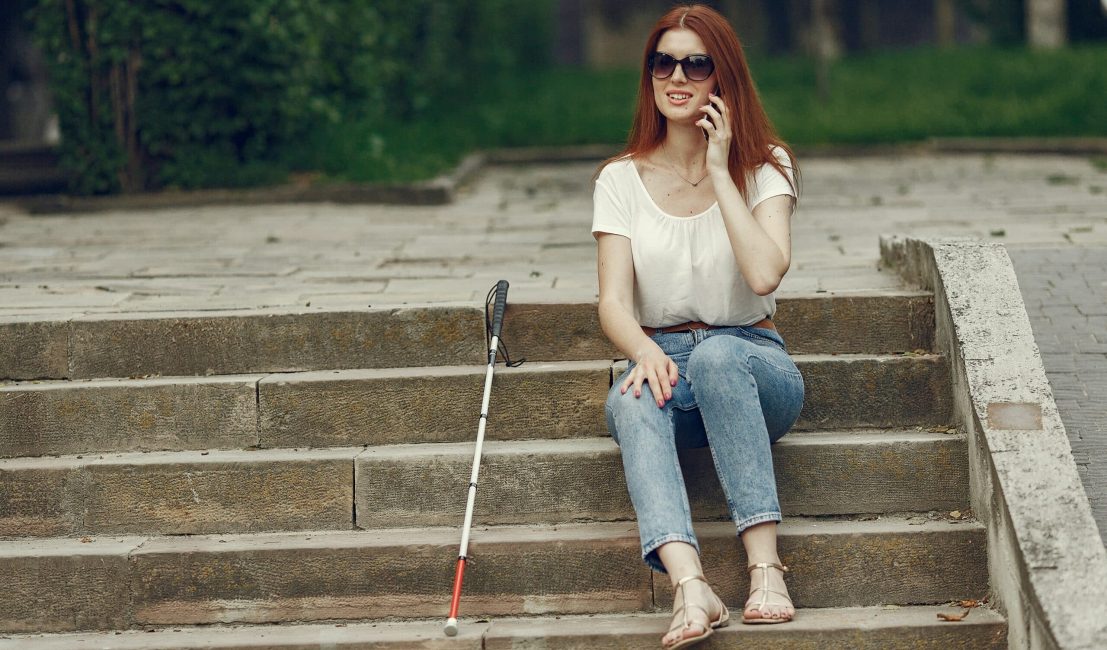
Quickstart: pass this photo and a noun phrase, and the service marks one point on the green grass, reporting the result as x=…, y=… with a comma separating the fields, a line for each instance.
x=879, y=98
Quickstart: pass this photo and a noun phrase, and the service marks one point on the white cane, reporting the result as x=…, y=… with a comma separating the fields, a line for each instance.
x=497, y=323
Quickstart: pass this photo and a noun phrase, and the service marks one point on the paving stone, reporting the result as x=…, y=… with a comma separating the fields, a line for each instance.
x=1068, y=326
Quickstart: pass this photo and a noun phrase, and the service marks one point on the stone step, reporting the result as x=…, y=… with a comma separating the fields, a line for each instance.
x=252, y=341
x=184, y=492
x=821, y=323
x=538, y=481
x=59, y=585
x=831, y=628
x=410, y=405
x=546, y=481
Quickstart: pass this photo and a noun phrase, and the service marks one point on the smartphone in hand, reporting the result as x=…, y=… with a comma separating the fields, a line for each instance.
x=717, y=94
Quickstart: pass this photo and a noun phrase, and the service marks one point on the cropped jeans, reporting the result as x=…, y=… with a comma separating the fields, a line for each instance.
x=738, y=393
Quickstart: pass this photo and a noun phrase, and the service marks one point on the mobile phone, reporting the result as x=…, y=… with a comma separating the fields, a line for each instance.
x=717, y=94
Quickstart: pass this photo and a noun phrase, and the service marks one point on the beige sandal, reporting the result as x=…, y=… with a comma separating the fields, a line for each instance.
x=724, y=616
x=765, y=591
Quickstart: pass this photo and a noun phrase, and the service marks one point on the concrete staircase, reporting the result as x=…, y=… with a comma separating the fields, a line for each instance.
x=295, y=480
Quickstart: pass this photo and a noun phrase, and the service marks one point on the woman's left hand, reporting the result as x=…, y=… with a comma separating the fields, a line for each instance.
x=716, y=123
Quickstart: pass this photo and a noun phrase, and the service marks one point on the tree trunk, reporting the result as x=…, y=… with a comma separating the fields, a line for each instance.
x=827, y=45
x=945, y=22
x=1045, y=23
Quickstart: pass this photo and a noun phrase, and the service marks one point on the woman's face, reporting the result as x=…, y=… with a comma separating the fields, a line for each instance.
x=678, y=97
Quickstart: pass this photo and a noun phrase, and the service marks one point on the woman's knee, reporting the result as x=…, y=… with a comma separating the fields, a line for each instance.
x=627, y=413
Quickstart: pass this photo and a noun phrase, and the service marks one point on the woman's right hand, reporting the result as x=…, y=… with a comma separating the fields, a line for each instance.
x=656, y=369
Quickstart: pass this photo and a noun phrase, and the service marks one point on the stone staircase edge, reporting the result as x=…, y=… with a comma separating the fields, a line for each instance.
x=1047, y=563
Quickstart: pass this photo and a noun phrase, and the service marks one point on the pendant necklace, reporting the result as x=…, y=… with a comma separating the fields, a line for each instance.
x=679, y=175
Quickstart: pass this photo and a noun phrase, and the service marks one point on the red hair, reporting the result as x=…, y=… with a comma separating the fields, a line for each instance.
x=754, y=135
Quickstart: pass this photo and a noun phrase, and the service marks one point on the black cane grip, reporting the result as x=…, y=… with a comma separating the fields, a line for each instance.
x=498, y=309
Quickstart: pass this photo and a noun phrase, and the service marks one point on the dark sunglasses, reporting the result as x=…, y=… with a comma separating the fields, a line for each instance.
x=696, y=67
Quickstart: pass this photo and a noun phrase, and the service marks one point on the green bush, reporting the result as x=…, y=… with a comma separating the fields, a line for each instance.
x=198, y=93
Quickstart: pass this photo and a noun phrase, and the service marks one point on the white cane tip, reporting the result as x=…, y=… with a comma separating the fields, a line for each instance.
x=451, y=627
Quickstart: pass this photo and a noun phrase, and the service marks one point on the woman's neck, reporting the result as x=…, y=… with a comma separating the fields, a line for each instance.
x=684, y=146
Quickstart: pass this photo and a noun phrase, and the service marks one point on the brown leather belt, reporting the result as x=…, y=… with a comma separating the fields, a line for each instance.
x=764, y=323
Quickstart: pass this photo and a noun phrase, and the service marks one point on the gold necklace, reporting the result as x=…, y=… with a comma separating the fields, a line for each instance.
x=672, y=166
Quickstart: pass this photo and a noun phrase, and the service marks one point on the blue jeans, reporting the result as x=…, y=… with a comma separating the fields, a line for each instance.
x=738, y=393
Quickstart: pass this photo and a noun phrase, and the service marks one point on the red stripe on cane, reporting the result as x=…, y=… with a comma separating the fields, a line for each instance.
x=457, y=587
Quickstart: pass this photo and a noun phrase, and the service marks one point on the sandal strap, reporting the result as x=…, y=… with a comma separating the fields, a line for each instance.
x=686, y=623
x=766, y=565
x=771, y=591
x=686, y=579
x=764, y=588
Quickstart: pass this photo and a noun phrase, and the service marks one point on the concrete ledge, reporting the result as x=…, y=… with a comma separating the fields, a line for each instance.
x=1047, y=564
x=437, y=191
x=1060, y=146
x=443, y=189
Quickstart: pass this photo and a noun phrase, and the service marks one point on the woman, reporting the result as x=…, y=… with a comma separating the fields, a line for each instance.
x=692, y=223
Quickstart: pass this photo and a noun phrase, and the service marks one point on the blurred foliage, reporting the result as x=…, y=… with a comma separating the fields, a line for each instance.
x=197, y=93
x=922, y=93
x=1004, y=20
x=885, y=97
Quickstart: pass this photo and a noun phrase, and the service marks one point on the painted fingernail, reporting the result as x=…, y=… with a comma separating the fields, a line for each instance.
x=637, y=393
x=661, y=402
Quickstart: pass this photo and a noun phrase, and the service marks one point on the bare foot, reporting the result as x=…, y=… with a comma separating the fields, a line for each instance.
x=703, y=607
x=778, y=606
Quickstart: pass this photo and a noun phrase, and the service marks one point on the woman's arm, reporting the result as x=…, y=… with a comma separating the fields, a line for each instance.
x=761, y=240
x=615, y=266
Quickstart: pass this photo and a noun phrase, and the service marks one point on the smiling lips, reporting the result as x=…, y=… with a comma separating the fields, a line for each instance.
x=679, y=98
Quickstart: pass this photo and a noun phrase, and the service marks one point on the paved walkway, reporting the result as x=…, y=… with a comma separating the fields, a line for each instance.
x=530, y=225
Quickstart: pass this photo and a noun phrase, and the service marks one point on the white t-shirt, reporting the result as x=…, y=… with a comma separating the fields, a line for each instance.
x=684, y=268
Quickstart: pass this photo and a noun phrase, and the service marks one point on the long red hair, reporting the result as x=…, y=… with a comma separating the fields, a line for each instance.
x=754, y=135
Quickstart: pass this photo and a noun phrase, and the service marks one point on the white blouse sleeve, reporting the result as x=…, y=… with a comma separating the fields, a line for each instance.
x=609, y=211
x=768, y=182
